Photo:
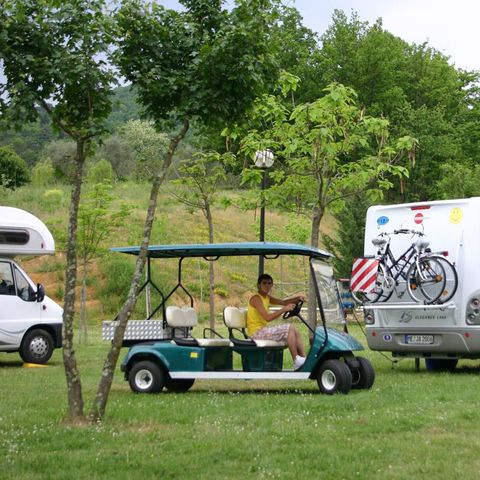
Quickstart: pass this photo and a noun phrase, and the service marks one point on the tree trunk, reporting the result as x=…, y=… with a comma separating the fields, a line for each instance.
x=74, y=384
x=211, y=266
x=82, y=324
x=100, y=402
x=314, y=241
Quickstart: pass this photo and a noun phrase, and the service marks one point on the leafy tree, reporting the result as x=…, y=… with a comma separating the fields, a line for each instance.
x=204, y=64
x=13, y=170
x=55, y=57
x=148, y=145
x=330, y=150
x=61, y=154
x=200, y=178
x=120, y=155
x=97, y=219
x=350, y=234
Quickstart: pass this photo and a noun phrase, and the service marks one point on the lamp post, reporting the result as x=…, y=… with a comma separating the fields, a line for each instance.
x=263, y=160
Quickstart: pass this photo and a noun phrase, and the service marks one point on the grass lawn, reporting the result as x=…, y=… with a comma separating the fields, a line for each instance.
x=410, y=425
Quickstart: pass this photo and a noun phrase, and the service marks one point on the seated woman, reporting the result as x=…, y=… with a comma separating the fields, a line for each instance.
x=258, y=317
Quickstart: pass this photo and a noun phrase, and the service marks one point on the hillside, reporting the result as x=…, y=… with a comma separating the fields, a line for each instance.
x=109, y=273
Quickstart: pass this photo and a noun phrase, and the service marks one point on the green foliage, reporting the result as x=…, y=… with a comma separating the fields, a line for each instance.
x=97, y=219
x=149, y=146
x=457, y=180
x=119, y=153
x=205, y=62
x=61, y=154
x=100, y=172
x=349, y=237
x=43, y=174
x=47, y=57
x=328, y=150
x=201, y=177
x=13, y=170
x=52, y=200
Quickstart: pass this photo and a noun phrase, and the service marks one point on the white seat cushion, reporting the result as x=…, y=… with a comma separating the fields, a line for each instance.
x=235, y=317
x=213, y=342
x=181, y=316
x=269, y=343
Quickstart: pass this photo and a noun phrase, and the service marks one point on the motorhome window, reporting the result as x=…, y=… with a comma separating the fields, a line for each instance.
x=24, y=290
x=6, y=279
x=14, y=237
x=328, y=291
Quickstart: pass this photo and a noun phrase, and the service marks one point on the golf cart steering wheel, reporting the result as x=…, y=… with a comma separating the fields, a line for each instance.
x=295, y=311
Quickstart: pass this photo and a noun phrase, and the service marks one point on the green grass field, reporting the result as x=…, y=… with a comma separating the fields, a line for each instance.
x=409, y=425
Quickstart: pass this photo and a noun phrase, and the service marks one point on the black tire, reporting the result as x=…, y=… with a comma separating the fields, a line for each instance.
x=426, y=283
x=146, y=377
x=334, y=377
x=176, y=385
x=440, y=364
x=37, y=346
x=364, y=375
x=381, y=293
x=451, y=278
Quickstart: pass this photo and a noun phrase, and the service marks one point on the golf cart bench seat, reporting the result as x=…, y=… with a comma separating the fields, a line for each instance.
x=236, y=319
x=185, y=318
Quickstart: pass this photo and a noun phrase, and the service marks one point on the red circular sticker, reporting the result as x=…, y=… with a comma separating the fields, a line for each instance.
x=418, y=218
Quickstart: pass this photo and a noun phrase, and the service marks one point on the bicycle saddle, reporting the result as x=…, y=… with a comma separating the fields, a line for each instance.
x=421, y=244
x=379, y=241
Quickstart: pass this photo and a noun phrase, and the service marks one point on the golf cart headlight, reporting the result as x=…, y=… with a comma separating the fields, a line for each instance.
x=369, y=318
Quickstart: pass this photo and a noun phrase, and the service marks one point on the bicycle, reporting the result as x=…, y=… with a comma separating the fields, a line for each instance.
x=422, y=273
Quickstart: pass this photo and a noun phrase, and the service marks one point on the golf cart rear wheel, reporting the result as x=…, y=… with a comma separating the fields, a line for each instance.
x=364, y=375
x=334, y=376
x=146, y=377
x=175, y=385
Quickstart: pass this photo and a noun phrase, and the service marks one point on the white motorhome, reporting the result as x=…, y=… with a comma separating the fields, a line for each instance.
x=439, y=333
x=30, y=322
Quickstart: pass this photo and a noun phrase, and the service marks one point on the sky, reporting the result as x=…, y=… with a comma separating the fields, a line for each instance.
x=450, y=26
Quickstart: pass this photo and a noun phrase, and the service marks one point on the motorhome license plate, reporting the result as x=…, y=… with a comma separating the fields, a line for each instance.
x=419, y=339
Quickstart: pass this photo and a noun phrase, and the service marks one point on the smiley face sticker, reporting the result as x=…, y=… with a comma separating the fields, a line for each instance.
x=456, y=215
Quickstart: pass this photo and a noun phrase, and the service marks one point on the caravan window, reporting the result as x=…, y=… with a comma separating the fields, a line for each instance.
x=6, y=279
x=14, y=237
x=24, y=290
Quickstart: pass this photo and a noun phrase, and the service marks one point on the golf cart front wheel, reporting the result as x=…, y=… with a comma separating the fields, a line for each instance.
x=146, y=377
x=334, y=376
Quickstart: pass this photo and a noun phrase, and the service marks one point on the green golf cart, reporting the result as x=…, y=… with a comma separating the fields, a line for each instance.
x=166, y=355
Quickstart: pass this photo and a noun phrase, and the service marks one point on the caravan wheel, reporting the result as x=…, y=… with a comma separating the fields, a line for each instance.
x=37, y=346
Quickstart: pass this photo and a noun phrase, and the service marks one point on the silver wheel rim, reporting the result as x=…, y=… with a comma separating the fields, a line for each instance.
x=143, y=379
x=328, y=380
x=38, y=347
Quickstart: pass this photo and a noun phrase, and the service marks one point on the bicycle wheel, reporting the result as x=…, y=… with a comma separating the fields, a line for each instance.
x=426, y=283
x=451, y=278
x=377, y=294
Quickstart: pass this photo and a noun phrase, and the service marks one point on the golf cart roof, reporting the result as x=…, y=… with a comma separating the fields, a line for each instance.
x=226, y=250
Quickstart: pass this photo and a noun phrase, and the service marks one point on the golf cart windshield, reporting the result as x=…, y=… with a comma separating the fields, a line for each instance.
x=327, y=290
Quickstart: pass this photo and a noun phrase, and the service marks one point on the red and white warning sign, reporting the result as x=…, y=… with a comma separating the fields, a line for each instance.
x=418, y=218
x=364, y=274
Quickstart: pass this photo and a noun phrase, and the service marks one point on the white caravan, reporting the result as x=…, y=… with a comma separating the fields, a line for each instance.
x=30, y=322
x=439, y=333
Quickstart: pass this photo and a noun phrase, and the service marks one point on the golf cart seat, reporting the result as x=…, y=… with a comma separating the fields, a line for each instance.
x=184, y=319
x=236, y=319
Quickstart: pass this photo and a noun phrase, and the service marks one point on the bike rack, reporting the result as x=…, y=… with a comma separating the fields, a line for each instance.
x=409, y=306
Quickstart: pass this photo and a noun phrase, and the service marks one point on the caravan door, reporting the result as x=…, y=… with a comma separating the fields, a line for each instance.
x=19, y=309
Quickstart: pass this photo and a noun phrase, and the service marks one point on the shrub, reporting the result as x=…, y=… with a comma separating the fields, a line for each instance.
x=52, y=200
x=13, y=169
x=43, y=174
x=100, y=172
